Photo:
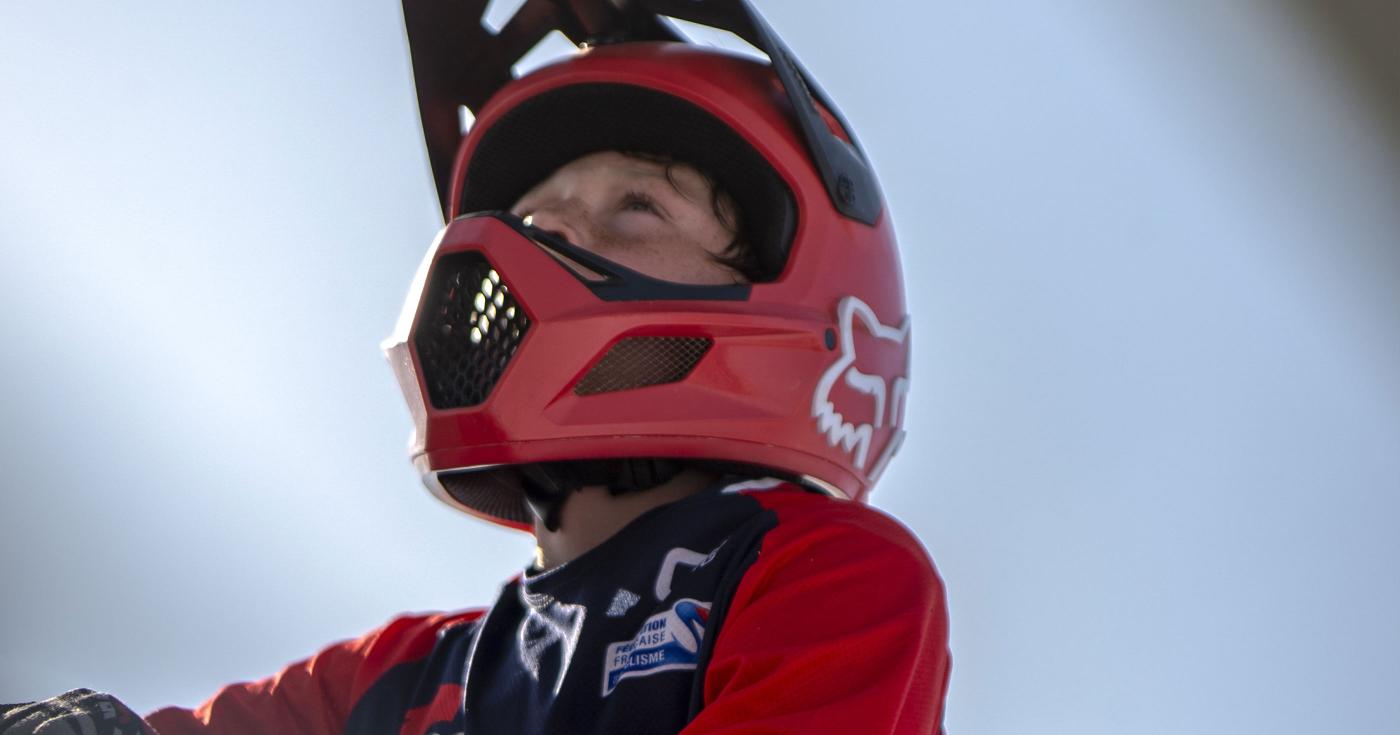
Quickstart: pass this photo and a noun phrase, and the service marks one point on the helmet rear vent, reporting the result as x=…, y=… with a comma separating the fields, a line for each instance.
x=637, y=362
x=470, y=328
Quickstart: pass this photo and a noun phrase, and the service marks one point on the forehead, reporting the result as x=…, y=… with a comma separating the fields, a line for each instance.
x=616, y=162
x=615, y=166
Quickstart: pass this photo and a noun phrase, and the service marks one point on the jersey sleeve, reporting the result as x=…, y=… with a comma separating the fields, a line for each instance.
x=314, y=696
x=840, y=625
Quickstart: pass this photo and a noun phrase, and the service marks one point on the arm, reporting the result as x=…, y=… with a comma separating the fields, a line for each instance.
x=315, y=696
x=840, y=626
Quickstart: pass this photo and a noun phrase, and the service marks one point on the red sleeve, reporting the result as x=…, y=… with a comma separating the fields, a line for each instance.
x=840, y=626
x=314, y=696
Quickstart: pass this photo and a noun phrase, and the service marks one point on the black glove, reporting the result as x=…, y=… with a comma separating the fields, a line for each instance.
x=79, y=712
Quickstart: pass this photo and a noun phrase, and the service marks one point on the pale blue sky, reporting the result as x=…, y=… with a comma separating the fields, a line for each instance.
x=1151, y=252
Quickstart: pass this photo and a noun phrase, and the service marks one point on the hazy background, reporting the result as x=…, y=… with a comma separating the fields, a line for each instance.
x=1151, y=250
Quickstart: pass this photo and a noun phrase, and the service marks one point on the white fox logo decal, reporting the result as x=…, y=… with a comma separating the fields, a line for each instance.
x=838, y=430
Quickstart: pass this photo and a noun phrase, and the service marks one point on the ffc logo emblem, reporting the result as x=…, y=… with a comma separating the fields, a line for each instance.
x=667, y=641
x=886, y=394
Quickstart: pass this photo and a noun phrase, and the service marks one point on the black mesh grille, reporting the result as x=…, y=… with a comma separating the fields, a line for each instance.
x=636, y=362
x=495, y=492
x=469, y=329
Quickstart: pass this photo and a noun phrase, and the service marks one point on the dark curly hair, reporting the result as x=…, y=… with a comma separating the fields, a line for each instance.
x=740, y=255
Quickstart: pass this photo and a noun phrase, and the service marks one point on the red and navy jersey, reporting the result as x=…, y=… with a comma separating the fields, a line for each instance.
x=759, y=607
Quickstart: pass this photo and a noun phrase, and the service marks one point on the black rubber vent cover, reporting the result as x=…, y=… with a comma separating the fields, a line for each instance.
x=636, y=362
x=470, y=327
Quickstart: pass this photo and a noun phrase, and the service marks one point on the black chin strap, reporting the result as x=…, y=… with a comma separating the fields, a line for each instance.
x=548, y=485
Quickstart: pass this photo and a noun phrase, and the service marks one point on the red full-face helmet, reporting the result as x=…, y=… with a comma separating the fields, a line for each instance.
x=509, y=357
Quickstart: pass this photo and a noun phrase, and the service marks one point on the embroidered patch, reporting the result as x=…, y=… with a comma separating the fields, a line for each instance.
x=667, y=641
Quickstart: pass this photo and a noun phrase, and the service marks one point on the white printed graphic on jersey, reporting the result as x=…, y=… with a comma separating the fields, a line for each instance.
x=668, y=641
x=623, y=601
x=887, y=395
x=547, y=623
x=676, y=557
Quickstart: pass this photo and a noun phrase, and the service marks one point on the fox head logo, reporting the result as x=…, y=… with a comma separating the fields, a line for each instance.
x=885, y=392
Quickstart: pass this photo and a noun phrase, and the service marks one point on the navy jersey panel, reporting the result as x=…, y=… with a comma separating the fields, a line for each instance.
x=425, y=690
x=611, y=642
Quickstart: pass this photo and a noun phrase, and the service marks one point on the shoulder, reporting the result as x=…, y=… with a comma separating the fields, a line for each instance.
x=810, y=519
x=840, y=624
x=416, y=626
x=398, y=655
x=832, y=539
x=406, y=638
x=415, y=630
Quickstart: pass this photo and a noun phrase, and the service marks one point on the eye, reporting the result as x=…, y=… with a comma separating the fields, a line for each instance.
x=636, y=201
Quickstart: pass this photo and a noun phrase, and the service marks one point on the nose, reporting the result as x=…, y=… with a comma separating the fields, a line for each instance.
x=562, y=219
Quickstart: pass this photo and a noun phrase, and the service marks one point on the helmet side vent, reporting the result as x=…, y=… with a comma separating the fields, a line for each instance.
x=468, y=332
x=637, y=362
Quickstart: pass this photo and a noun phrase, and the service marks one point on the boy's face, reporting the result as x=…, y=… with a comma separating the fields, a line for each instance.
x=626, y=209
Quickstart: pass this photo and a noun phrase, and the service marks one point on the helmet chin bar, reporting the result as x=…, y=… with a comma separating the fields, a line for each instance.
x=458, y=62
x=545, y=487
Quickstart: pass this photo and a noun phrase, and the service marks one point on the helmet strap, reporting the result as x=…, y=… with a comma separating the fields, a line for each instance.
x=545, y=493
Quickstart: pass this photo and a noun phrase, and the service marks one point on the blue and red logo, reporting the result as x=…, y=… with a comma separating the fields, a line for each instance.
x=667, y=641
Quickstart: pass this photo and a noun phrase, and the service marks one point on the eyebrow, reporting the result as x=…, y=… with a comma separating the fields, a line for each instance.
x=664, y=173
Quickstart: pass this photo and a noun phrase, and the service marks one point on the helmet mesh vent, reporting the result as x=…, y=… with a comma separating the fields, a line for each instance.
x=493, y=492
x=637, y=362
x=470, y=328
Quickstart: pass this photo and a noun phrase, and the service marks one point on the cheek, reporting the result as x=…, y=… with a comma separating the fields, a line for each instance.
x=687, y=263
x=681, y=253
x=678, y=264
x=634, y=227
